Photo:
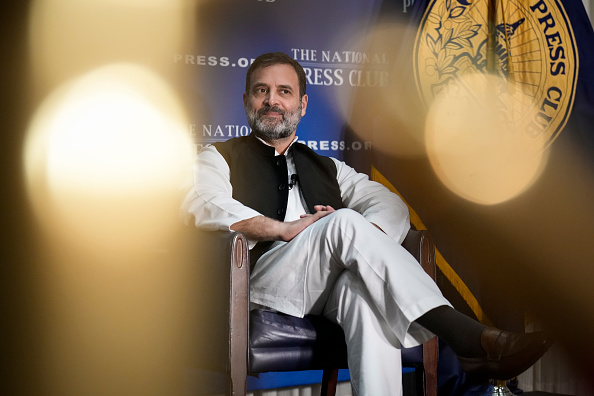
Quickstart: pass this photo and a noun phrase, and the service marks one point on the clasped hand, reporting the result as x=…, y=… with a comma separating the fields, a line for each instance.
x=292, y=228
x=261, y=228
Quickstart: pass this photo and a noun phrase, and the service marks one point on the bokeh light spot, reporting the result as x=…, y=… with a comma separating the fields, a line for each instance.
x=474, y=145
x=106, y=156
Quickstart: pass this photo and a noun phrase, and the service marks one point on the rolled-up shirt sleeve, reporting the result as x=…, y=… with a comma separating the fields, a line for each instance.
x=209, y=202
x=374, y=201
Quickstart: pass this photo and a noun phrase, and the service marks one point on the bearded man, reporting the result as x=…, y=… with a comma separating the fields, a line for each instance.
x=326, y=240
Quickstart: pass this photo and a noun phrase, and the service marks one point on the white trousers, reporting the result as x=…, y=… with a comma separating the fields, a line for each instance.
x=347, y=269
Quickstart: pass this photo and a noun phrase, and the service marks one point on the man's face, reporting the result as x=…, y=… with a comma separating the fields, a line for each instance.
x=272, y=105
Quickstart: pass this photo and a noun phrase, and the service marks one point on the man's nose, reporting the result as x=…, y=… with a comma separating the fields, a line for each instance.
x=271, y=99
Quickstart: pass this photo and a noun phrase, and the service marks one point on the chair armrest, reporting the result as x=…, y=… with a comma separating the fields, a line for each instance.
x=221, y=276
x=239, y=300
x=420, y=245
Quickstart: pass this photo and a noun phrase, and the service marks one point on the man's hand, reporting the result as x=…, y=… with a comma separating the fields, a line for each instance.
x=292, y=228
x=321, y=210
x=261, y=228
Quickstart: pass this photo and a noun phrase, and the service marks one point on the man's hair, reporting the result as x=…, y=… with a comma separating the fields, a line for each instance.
x=276, y=58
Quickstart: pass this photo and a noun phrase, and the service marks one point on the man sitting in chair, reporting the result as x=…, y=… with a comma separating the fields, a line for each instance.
x=326, y=240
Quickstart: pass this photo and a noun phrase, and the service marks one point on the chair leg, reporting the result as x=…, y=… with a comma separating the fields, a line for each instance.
x=329, y=382
x=430, y=362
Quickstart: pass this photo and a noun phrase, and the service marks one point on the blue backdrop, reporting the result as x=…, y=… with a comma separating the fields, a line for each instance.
x=480, y=243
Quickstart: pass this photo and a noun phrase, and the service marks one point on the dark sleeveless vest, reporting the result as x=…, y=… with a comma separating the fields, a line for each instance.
x=260, y=179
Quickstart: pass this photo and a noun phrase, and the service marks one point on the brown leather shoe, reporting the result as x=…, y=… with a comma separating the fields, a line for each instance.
x=508, y=354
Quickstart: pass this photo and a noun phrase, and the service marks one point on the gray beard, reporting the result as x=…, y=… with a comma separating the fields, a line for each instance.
x=270, y=129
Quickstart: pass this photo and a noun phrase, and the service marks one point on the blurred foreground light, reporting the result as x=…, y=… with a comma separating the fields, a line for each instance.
x=474, y=145
x=69, y=37
x=379, y=99
x=105, y=157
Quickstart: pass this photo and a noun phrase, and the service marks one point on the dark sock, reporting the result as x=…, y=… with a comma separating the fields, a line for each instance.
x=460, y=332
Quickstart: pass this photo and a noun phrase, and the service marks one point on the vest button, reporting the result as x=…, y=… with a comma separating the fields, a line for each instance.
x=279, y=162
x=282, y=186
x=280, y=211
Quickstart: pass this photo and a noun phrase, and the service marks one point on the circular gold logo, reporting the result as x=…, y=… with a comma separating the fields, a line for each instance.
x=532, y=49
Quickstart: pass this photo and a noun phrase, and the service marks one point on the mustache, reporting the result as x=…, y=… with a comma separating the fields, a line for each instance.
x=266, y=109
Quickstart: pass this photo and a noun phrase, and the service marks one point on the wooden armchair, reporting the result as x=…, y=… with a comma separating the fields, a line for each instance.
x=241, y=342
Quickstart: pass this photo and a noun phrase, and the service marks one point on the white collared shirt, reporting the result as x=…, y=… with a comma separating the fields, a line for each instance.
x=210, y=202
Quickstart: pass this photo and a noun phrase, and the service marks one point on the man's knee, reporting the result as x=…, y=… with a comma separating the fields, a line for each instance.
x=348, y=217
x=346, y=225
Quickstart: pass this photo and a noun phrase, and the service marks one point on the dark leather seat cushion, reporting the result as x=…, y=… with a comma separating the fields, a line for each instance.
x=280, y=342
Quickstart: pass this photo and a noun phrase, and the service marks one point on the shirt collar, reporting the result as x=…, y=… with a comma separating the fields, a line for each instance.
x=275, y=152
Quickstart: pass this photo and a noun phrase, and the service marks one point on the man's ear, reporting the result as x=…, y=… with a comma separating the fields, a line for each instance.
x=304, y=99
x=244, y=99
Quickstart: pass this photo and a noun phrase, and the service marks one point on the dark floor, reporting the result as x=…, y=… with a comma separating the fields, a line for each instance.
x=537, y=393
